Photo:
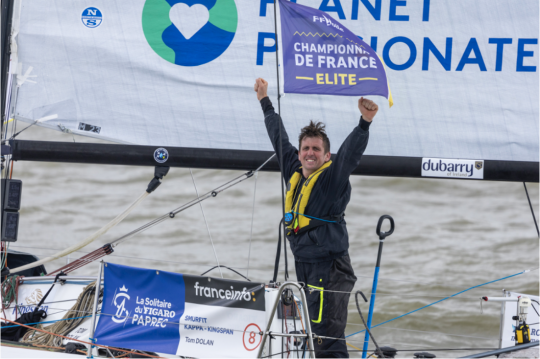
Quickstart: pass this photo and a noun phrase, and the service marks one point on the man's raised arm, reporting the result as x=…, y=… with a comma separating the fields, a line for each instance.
x=351, y=151
x=272, y=121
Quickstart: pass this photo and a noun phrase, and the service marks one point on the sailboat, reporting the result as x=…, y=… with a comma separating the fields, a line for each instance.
x=173, y=80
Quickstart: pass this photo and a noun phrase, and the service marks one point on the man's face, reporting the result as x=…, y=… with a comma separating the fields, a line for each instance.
x=312, y=155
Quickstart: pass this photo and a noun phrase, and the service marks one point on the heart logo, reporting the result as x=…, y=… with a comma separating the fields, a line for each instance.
x=188, y=20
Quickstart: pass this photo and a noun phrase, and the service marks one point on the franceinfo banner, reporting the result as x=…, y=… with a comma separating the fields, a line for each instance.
x=463, y=74
x=180, y=314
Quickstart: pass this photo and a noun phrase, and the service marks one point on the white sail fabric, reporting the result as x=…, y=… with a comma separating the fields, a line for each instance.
x=107, y=70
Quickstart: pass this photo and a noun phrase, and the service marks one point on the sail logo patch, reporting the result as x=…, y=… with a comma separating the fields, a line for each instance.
x=161, y=155
x=449, y=168
x=91, y=17
x=189, y=32
x=90, y=128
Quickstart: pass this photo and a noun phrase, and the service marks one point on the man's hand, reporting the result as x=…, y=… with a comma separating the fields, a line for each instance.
x=367, y=108
x=261, y=86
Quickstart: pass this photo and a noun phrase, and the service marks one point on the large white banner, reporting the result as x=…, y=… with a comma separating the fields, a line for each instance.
x=463, y=74
x=508, y=325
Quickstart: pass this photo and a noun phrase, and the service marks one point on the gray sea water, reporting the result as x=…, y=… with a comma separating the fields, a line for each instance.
x=450, y=235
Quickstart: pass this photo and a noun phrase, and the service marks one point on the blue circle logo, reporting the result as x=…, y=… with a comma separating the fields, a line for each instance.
x=161, y=155
x=91, y=17
x=189, y=32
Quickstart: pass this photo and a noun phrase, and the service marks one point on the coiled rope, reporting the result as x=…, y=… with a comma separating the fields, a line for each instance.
x=71, y=320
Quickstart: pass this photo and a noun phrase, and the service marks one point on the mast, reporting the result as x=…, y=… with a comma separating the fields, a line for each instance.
x=6, y=19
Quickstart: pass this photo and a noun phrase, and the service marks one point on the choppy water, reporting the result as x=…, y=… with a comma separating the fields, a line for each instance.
x=450, y=235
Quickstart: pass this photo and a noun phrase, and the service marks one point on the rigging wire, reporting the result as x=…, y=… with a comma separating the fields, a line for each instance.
x=440, y=300
x=107, y=249
x=206, y=223
x=430, y=332
x=173, y=213
x=252, y=217
x=88, y=239
x=280, y=138
x=532, y=211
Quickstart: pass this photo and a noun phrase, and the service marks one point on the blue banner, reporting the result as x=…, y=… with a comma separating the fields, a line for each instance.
x=321, y=56
x=180, y=314
x=141, y=309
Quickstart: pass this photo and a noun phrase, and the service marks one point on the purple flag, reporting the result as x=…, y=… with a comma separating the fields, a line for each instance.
x=321, y=56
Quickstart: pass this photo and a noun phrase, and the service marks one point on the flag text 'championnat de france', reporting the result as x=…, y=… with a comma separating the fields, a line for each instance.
x=321, y=56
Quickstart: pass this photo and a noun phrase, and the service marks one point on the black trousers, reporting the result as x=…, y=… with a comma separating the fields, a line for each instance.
x=328, y=310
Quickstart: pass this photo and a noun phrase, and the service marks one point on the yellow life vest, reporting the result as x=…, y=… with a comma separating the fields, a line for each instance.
x=299, y=220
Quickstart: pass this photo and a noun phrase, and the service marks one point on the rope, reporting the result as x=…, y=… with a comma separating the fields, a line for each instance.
x=51, y=335
x=429, y=305
x=433, y=332
x=50, y=321
x=84, y=260
x=87, y=240
x=319, y=219
x=301, y=320
x=82, y=341
x=206, y=223
x=5, y=248
x=363, y=321
x=10, y=289
x=229, y=268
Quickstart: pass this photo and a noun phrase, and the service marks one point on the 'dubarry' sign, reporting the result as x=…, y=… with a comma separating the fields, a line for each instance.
x=180, y=314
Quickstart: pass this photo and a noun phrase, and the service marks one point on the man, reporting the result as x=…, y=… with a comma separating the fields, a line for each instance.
x=318, y=191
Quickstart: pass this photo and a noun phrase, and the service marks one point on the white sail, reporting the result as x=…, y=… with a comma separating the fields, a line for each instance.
x=114, y=75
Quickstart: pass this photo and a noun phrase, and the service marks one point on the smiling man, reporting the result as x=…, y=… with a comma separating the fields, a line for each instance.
x=318, y=191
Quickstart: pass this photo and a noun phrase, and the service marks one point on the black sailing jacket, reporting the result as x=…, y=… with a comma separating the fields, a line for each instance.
x=331, y=193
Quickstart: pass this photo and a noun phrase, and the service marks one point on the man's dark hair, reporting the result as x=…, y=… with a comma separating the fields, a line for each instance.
x=315, y=130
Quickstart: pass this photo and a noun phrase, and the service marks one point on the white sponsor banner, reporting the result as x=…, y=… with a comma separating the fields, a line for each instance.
x=452, y=168
x=463, y=74
x=60, y=299
x=510, y=310
x=234, y=331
